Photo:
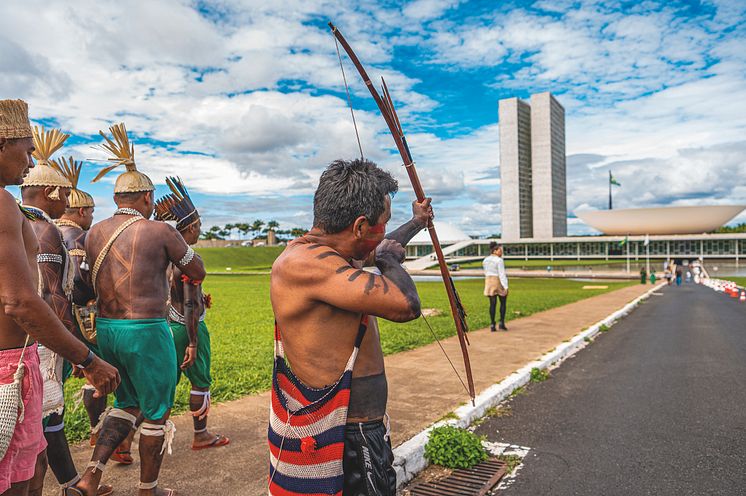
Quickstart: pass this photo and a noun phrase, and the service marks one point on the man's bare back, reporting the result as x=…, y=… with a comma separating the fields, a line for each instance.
x=11, y=334
x=319, y=298
x=132, y=283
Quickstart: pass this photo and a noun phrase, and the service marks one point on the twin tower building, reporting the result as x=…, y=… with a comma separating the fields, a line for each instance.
x=532, y=168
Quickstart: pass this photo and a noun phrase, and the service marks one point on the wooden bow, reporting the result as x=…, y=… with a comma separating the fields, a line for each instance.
x=388, y=111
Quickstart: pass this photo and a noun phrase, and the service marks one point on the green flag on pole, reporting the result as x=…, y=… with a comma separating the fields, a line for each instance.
x=613, y=181
x=624, y=241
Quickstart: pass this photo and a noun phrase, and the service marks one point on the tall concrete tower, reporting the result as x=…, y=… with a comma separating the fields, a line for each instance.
x=515, y=169
x=548, y=166
x=532, y=168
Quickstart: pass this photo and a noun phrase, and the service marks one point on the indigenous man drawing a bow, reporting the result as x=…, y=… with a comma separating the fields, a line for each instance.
x=327, y=431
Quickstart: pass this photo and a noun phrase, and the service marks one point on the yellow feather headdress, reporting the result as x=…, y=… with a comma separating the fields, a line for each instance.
x=122, y=152
x=71, y=170
x=44, y=174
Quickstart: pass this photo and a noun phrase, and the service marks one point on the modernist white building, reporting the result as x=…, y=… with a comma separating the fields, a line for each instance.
x=532, y=167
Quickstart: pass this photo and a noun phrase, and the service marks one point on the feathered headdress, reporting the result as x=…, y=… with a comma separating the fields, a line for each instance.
x=71, y=170
x=177, y=206
x=43, y=174
x=123, y=153
x=14, y=121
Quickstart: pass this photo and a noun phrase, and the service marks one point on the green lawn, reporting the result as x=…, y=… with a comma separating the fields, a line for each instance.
x=741, y=281
x=240, y=259
x=241, y=325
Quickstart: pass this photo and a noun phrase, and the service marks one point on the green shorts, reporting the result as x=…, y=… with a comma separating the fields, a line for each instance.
x=199, y=373
x=143, y=352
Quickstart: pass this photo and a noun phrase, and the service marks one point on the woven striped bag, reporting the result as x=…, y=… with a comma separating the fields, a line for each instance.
x=307, y=429
x=11, y=401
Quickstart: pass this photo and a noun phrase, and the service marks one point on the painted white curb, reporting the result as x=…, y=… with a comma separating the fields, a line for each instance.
x=409, y=457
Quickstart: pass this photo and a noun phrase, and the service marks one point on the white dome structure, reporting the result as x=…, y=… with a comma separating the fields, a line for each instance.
x=448, y=234
x=664, y=220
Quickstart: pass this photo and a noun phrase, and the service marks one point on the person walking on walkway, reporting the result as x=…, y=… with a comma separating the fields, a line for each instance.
x=496, y=284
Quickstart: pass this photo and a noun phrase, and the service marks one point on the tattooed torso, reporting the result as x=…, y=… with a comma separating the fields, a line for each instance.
x=318, y=298
x=132, y=282
x=52, y=273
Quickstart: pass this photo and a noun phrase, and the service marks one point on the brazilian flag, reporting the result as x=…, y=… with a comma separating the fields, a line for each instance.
x=624, y=241
x=613, y=181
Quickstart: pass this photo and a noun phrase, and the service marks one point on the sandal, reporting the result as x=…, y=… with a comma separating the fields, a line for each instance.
x=123, y=457
x=103, y=490
x=220, y=440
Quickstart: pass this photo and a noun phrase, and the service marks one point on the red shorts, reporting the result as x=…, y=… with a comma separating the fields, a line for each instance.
x=28, y=439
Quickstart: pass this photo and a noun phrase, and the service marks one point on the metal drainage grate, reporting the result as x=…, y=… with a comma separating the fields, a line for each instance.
x=476, y=481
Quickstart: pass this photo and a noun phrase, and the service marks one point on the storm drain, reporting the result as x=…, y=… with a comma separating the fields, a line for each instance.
x=476, y=481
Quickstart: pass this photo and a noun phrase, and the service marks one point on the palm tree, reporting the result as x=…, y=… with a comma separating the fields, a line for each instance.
x=229, y=228
x=256, y=226
x=272, y=226
x=297, y=232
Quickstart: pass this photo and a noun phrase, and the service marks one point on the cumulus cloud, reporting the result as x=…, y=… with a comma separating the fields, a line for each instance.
x=244, y=98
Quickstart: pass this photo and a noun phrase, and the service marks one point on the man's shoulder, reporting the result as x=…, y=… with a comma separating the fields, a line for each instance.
x=8, y=204
x=303, y=259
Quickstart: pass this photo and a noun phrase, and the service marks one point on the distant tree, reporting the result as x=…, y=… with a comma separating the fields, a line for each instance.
x=297, y=232
x=212, y=233
x=257, y=225
x=738, y=228
x=243, y=228
x=272, y=226
x=230, y=228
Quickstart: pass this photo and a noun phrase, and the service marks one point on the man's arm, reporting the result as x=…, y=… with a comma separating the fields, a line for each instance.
x=182, y=255
x=421, y=214
x=51, y=274
x=191, y=317
x=326, y=276
x=20, y=301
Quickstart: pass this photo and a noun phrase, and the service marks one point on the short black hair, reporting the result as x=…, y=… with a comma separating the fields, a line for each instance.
x=129, y=197
x=494, y=245
x=349, y=189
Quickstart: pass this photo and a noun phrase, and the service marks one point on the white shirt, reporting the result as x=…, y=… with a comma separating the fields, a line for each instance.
x=494, y=266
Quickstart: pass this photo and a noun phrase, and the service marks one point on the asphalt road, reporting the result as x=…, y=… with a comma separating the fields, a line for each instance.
x=656, y=405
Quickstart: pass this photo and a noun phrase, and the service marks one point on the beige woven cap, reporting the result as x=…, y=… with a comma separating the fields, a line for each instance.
x=44, y=174
x=122, y=152
x=14, y=121
x=71, y=170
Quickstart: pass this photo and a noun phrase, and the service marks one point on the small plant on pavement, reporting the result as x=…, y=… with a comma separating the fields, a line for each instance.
x=453, y=447
x=603, y=328
x=538, y=375
x=511, y=460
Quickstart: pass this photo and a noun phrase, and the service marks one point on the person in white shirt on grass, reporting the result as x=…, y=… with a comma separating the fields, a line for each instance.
x=496, y=284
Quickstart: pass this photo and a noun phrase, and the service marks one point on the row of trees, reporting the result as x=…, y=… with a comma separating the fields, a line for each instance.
x=244, y=230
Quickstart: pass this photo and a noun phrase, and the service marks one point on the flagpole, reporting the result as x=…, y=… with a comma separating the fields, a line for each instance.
x=610, y=190
x=647, y=254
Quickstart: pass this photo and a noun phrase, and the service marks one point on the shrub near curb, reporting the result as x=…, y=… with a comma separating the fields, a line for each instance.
x=452, y=447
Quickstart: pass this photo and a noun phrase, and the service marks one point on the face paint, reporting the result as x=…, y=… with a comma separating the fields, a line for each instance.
x=370, y=244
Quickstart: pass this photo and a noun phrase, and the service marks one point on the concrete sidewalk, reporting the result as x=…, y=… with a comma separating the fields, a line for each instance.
x=422, y=389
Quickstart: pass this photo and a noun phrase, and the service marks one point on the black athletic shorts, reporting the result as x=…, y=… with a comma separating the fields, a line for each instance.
x=368, y=461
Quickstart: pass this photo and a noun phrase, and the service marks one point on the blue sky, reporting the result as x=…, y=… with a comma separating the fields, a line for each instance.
x=245, y=100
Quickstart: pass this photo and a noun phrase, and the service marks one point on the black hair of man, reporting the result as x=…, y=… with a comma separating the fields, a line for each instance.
x=349, y=189
x=128, y=197
x=494, y=245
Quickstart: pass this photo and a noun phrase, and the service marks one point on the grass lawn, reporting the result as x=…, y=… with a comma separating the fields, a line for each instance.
x=241, y=325
x=741, y=281
x=240, y=259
